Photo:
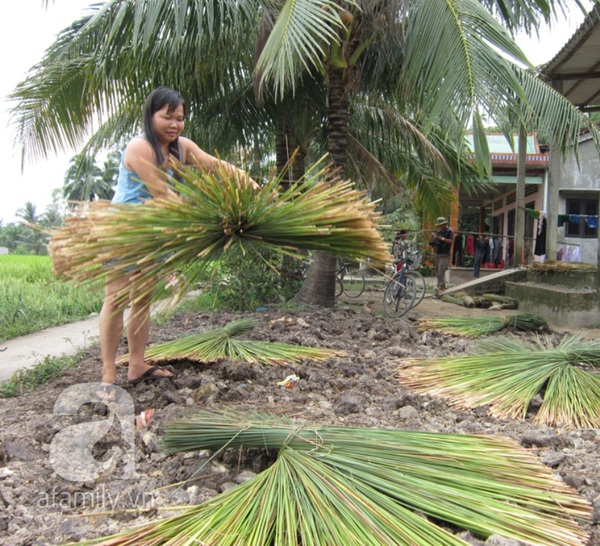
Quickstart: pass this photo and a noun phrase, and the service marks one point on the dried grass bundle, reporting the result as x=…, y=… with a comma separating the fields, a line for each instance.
x=507, y=373
x=150, y=240
x=481, y=326
x=220, y=343
x=336, y=486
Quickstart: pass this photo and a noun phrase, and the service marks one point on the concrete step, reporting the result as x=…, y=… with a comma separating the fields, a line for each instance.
x=558, y=303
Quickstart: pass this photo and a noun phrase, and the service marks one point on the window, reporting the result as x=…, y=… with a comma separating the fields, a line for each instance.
x=581, y=207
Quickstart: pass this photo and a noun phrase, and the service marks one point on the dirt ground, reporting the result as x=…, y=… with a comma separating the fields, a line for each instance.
x=38, y=506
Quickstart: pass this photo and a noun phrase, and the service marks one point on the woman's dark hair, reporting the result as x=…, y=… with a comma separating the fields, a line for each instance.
x=156, y=101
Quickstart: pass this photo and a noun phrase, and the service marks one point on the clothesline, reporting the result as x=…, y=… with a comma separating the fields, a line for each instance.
x=590, y=219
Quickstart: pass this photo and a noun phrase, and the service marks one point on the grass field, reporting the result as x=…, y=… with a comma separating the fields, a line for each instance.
x=33, y=298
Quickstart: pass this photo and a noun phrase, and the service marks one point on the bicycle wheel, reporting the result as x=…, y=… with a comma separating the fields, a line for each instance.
x=339, y=285
x=353, y=282
x=420, y=286
x=397, y=297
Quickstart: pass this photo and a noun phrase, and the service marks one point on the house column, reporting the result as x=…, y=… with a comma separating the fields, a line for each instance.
x=552, y=201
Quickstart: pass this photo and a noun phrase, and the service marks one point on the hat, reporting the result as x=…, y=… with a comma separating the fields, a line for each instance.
x=441, y=220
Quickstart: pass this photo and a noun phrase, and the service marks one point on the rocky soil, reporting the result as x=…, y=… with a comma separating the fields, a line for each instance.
x=39, y=507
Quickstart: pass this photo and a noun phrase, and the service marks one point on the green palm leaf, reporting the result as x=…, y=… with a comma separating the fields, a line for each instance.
x=159, y=237
x=220, y=343
x=507, y=374
x=354, y=486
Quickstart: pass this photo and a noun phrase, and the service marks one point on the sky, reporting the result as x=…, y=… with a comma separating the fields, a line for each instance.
x=30, y=28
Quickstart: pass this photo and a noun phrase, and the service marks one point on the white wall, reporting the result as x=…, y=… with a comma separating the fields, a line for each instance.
x=580, y=181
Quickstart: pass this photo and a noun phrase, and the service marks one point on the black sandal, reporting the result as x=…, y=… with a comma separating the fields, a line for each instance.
x=148, y=375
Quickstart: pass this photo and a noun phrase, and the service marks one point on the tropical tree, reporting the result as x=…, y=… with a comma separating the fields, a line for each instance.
x=28, y=213
x=424, y=68
x=54, y=214
x=13, y=236
x=86, y=181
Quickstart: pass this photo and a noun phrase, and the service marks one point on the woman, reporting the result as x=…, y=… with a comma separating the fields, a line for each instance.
x=143, y=175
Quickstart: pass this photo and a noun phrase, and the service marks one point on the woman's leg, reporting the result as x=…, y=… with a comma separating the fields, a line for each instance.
x=111, y=330
x=138, y=330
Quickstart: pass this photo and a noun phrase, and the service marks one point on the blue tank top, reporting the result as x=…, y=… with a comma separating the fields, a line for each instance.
x=130, y=188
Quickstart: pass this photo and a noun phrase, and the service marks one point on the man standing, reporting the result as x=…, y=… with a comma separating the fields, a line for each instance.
x=442, y=245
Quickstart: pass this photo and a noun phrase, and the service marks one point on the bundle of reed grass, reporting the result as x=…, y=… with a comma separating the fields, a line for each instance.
x=367, y=487
x=507, y=373
x=150, y=240
x=481, y=326
x=220, y=343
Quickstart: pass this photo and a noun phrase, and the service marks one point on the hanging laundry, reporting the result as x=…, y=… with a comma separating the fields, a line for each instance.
x=540, y=240
x=568, y=254
x=575, y=255
x=497, y=257
x=562, y=218
x=535, y=214
x=559, y=254
x=457, y=250
x=575, y=219
x=470, y=245
x=592, y=222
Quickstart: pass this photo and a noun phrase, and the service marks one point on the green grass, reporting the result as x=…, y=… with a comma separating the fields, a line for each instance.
x=27, y=379
x=32, y=298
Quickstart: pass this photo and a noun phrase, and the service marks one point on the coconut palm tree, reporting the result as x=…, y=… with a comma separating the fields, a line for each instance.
x=437, y=63
x=28, y=213
x=85, y=180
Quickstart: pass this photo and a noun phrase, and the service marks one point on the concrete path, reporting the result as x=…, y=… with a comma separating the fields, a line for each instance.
x=26, y=351
x=29, y=350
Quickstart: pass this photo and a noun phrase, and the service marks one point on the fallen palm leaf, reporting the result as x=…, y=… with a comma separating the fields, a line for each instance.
x=366, y=487
x=148, y=241
x=508, y=373
x=220, y=343
x=480, y=326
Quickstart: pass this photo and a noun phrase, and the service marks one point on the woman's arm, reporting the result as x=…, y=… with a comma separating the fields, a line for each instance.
x=192, y=154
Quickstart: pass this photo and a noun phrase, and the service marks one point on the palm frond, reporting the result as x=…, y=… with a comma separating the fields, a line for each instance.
x=357, y=487
x=299, y=40
x=220, y=343
x=508, y=373
x=150, y=240
x=452, y=57
x=481, y=326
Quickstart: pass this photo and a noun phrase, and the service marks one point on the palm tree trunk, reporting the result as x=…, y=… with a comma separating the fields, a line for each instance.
x=337, y=130
x=319, y=286
x=291, y=268
x=282, y=148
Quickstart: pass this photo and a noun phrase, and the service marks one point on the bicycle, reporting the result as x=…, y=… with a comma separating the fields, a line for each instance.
x=413, y=260
x=400, y=292
x=349, y=280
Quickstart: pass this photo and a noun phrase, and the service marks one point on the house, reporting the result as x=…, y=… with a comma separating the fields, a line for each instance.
x=574, y=182
x=495, y=205
x=563, y=190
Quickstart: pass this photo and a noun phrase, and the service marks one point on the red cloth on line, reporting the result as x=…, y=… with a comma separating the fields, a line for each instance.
x=470, y=245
